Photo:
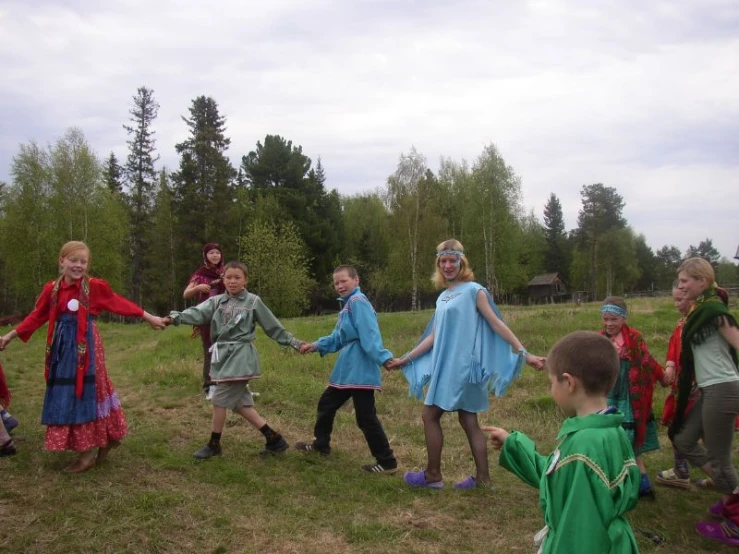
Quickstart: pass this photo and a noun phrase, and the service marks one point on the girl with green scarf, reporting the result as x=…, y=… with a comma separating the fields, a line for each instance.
x=710, y=342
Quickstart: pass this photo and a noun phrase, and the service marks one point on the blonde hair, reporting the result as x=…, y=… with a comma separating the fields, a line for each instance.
x=69, y=248
x=465, y=272
x=698, y=268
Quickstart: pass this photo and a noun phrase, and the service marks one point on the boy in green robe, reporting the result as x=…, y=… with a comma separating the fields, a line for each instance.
x=590, y=480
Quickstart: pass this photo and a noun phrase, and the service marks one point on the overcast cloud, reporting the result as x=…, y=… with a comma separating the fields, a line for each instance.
x=641, y=96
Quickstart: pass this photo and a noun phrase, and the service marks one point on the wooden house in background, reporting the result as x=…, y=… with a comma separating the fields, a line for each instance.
x=547, y=288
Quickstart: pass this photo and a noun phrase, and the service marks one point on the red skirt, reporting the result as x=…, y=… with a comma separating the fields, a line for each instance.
x=4, y=392
x=109, y=424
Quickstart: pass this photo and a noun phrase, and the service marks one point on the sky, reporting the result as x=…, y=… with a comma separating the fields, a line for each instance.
x=639, y=96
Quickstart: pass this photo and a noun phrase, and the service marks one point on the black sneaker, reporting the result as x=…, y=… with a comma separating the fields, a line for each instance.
x=275, y=447
x=380, y=469
x=207, y=451
x=310, y=447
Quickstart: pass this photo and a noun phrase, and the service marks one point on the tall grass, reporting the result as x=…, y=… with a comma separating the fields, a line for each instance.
x=152, y=496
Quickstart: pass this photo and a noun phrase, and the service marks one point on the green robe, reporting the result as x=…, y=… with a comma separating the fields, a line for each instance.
x=233, y=322
x=585, y=486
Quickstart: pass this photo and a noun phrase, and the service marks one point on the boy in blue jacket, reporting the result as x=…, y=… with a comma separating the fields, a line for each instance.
x=356, y=374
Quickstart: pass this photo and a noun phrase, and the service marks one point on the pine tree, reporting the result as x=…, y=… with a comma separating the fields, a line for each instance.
x=113, y=174
x=141, y=181
x=203, y=187
x=280, y=170
x=556, y=258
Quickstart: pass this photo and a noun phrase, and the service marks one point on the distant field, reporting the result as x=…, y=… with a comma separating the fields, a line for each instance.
x=151, y=496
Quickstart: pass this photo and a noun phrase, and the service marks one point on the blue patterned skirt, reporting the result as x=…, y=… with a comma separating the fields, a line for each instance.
x=61, y=405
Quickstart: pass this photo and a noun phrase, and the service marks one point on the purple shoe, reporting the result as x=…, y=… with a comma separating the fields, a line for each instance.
x=716, y=509
x=723, y=532
x=466, y=484
x=418, y=479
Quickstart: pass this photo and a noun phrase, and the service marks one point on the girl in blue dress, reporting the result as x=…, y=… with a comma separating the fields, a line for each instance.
x=466, y=351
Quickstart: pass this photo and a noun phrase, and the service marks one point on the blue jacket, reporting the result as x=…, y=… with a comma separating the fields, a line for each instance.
x=357, y=337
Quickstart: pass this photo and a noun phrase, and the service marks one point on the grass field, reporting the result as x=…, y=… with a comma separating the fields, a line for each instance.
x=151, y=496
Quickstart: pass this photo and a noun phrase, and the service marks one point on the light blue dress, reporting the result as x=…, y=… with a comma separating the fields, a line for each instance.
x=467, y=360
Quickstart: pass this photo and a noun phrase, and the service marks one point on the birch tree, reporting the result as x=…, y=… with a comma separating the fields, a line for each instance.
x=404, y=199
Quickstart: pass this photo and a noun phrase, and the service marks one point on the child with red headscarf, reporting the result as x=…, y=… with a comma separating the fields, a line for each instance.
x=207, y=281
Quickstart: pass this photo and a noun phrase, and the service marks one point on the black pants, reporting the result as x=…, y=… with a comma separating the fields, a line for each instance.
x=364, y=408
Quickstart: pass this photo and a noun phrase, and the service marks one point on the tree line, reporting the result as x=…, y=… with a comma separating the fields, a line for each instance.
x=146, y=225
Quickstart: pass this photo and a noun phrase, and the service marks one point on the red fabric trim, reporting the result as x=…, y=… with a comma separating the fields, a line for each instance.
x=4, y=390
x=644, y=371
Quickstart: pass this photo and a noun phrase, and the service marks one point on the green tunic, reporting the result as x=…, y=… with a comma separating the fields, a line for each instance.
x=233, y=322
x=620, y=397
x=585, y=485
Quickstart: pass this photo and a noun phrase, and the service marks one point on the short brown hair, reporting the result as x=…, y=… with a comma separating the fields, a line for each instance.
x=236, y=265
x=351, y=271
x=589, y=357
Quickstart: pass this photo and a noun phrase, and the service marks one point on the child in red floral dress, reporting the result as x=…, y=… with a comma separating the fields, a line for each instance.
x=81, y=409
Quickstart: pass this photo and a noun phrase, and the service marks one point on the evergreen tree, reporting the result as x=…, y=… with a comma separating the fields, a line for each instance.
x=667, y=260
x=706, y=250
x=557, y=256
x=280, y=170
x=113, y=174
x=141, y=181
x=203, y=187
x=163, y=286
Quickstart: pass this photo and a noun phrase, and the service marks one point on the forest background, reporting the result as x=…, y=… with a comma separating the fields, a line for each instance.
x=146, y=225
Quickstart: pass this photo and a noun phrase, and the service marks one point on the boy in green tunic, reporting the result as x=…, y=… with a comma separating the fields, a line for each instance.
x=234, y=361
x=591, y=479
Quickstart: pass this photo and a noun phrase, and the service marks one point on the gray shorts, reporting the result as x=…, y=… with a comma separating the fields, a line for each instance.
x=232, y=395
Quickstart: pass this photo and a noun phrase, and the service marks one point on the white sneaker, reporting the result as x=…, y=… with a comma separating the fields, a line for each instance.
x=209, y=392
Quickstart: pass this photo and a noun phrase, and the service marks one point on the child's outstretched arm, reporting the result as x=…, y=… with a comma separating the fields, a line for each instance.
x=503, y=331
x=197, y=315
x=273, y=328
x=421, y=348
x=497, y=436
x=157, y=323
x=518, y=455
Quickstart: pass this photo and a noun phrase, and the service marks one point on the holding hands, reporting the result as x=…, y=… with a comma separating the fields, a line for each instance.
x=497, y=436
x=537, y=362
x=306, y=347
x=669, y=377
x=5, y=339
x=157, y=323
x=395, y=363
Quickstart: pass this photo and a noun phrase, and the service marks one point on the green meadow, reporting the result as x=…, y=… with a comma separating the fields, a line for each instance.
x=152, y=496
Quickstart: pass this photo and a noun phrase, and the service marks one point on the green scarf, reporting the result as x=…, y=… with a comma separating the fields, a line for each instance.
x=709, y=313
